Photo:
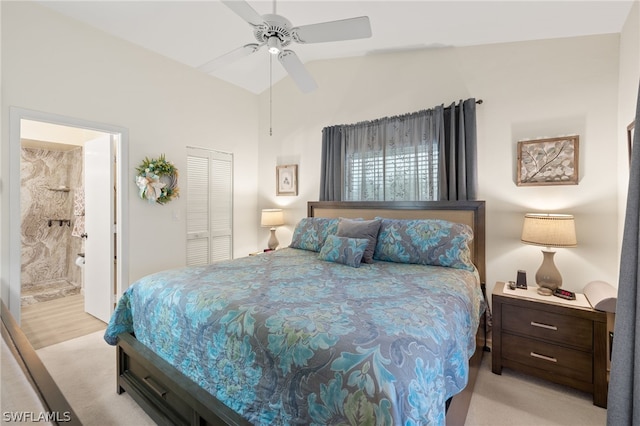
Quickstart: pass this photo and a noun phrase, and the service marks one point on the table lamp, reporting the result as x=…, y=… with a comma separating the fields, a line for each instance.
x=548, y=230
x=272, y=218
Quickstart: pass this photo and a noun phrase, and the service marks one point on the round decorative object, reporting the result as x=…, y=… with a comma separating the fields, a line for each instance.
x=157, y=180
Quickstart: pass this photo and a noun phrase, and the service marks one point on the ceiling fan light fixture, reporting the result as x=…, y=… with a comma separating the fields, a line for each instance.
x=273, y=44
x=276, y=32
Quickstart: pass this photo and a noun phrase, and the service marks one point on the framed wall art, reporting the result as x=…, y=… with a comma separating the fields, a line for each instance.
x=287, y=180
x=552, y=161
x=630, y=130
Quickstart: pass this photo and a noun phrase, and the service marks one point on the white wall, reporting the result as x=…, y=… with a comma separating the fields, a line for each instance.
x=627, y=97
x=56, y=65
x=61, y=135
x=530, y=90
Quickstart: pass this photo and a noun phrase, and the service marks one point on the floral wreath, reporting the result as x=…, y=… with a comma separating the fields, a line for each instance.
x=157, y=180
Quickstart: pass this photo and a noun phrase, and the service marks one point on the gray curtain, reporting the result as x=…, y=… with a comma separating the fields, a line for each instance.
x=331, y=171
x=624, y=383
x=459, y=176
x=454, y=128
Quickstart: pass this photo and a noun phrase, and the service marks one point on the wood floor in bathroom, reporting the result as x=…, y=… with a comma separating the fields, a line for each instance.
x=58, y=320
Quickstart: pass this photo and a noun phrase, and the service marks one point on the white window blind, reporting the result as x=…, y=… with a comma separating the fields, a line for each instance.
x=209, y=206
x=402, y=173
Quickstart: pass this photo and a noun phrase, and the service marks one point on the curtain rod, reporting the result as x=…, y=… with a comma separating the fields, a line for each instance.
x=478, y=102
x=400, y=117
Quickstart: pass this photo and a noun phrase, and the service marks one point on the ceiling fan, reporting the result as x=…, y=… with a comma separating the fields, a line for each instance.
x=277, y=32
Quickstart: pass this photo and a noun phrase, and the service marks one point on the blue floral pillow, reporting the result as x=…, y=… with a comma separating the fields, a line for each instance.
x=311, y=232
x=348, y=251
x=426, y=242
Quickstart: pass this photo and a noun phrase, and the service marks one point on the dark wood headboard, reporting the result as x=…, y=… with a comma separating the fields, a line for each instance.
x=468, y=212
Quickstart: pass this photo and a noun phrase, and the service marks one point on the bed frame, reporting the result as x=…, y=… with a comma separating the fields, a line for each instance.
x=170, y=398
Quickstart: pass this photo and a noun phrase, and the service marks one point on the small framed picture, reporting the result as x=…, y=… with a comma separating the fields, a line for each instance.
x=630, y=130
x=287, y=180
x=552, y=161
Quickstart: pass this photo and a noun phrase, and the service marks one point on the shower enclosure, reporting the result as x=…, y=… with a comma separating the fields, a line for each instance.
x=51, y=178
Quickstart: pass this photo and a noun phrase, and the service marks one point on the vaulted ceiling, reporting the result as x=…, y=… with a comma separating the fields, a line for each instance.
x=194, y=32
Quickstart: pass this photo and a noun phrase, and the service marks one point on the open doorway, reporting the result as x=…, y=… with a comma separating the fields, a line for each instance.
x=52, y=258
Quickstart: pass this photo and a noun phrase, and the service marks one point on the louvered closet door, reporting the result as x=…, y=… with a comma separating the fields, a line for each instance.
x=209, y=206
x=221, y=206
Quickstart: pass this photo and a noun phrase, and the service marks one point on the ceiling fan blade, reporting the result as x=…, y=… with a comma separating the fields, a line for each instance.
x=245, y=11
x=297, y=71
x=228, y=58
x=346, y=29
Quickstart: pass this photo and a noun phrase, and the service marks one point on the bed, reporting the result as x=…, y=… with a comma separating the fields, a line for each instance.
x=345, y=326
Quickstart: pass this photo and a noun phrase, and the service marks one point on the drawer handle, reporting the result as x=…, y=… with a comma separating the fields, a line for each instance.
x=154, y=387
x=544, y=357
x=548, y=327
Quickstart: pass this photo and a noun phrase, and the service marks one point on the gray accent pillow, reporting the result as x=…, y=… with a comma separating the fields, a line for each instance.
x=367, y=229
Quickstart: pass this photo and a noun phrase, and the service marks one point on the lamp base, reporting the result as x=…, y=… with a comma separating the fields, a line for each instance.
x=273, y=241
x=548, y=277
x=543, y=291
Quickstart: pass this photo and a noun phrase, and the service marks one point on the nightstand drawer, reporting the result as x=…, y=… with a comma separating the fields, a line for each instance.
x=565, y=329
x=556, y=359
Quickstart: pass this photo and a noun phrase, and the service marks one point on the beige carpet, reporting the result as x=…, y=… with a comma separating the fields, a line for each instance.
x=84, y=369
x=515, y=399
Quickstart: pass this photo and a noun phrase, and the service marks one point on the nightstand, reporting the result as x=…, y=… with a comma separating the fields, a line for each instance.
x=255, y=253
x=548, y=337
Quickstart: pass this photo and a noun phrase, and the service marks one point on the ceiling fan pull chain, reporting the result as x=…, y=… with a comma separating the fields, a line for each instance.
x=270, y=96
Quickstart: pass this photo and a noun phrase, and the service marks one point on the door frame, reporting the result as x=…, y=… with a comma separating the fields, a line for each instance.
x=122, y=197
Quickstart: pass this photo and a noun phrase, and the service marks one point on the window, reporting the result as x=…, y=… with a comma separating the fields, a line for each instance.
x=391, y=170
x=421, y=156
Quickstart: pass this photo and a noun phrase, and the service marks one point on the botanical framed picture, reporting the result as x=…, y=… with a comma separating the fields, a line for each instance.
x=630, y=130
x=287, y=180
x=552, y=161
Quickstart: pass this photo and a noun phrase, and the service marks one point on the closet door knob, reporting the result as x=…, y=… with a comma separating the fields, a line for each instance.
x=84, y=235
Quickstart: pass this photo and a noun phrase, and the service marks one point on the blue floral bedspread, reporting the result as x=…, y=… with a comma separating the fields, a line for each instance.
x=286, y=338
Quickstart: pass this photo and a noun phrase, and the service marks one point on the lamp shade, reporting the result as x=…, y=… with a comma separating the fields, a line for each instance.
x=549, y=230
x=272, y=217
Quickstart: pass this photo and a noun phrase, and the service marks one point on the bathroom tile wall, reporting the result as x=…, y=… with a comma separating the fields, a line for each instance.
x=49, y=179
